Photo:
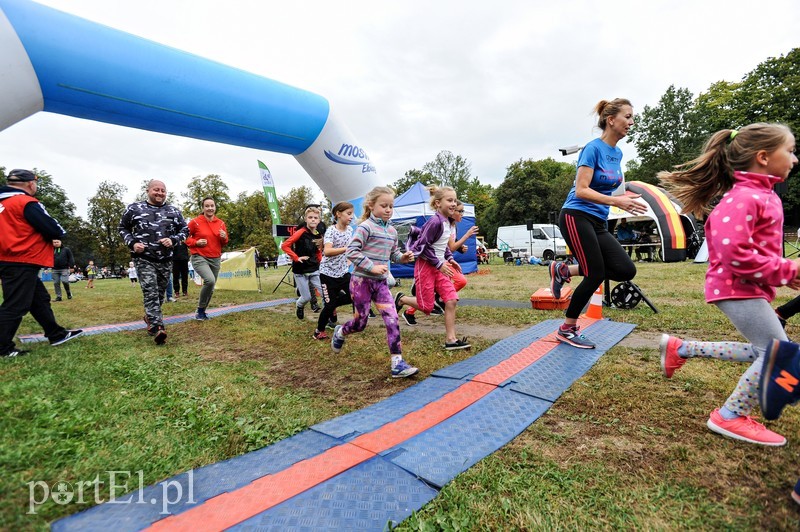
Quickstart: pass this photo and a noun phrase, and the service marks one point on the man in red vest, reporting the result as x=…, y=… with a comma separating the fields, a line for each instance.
x=27, y=245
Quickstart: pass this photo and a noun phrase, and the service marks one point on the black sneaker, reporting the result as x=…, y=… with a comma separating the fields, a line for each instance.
x=67, y=337
x=458, y=344
x=69, y=296
x=151, y=331
x=372, y=313
x=559, y=274
x=300, y=313
x=14, y=353
x=573, y=337
x=397, y=304
x=437, y=310
x=315, y=308
x=57, y=299
x=409, y=318
x=161, y=336
x=781, y=320
x=330, y=325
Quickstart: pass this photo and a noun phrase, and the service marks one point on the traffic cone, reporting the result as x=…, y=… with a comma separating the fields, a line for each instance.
x=595, y=310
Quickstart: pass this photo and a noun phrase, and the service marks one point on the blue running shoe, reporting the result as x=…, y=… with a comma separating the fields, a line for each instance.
x=780, y=378
x=573, y=337
x=337, y=341
x=403, y=369
x=559, y=274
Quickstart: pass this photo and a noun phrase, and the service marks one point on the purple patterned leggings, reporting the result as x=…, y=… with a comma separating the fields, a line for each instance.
x=364, y=291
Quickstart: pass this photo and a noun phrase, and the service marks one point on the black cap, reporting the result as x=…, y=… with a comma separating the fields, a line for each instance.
x=21, y=175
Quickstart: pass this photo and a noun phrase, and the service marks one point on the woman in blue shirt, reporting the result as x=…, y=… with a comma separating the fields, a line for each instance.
x=584, y=215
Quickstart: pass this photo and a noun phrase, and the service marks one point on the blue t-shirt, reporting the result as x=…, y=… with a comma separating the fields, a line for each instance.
x=606, y=162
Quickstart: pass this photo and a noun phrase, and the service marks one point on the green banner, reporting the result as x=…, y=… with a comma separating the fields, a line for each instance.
x=272, y=199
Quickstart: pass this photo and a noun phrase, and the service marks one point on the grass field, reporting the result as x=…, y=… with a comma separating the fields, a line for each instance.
x=623, y=448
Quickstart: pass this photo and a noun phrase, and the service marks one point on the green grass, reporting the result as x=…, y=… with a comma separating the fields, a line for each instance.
x=622, y=448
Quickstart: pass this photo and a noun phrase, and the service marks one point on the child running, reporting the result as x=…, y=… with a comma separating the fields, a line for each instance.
x=745, y=258
x=333, y=270
x=433, y=274
x=304, y=248
x=374, y=243
x=459, y=280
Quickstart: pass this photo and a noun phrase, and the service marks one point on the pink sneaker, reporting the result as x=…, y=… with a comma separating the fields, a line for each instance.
x=670, y=359
x=744, y=428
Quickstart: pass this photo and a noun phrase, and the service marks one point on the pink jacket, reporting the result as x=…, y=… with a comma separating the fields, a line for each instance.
x=745, y=242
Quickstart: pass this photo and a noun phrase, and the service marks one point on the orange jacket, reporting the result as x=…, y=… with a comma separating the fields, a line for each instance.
x=200, y=228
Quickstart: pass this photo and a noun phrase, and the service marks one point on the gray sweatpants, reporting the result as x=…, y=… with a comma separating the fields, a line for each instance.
x=208, y=270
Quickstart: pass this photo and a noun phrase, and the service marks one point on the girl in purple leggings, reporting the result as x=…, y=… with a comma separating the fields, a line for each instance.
x=374, y=243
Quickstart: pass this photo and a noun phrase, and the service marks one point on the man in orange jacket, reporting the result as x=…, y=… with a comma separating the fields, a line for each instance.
x=27, y=246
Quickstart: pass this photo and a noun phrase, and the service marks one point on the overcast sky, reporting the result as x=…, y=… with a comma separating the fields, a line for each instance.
x=494, y=82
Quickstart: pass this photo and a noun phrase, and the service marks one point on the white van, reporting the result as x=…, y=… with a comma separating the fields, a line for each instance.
x=543, y=241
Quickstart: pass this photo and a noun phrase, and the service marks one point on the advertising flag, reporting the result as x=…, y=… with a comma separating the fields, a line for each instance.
x=272, y=198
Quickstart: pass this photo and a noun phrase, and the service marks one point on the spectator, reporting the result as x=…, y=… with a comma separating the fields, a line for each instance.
x=62, y=262
x=26, y=246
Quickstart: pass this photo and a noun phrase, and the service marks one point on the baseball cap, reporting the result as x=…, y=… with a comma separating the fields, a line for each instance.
x=21, y=175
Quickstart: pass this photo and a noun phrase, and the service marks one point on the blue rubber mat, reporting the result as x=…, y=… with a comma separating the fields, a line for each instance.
x=170, y=320
x=127, y=513
x=551, y=375
x=439, y=454
x=392, y=408
x=374, y=495
x=498, y=352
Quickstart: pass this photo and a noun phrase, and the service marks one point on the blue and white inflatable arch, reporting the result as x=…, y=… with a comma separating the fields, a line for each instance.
x=56, y=62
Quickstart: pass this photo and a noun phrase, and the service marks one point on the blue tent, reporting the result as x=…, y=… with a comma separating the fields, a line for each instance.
x=413, y=208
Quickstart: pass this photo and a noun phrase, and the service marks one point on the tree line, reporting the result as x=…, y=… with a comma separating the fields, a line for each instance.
x=667, y=134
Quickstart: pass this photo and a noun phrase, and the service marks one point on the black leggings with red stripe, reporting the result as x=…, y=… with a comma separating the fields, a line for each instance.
x=599, y=256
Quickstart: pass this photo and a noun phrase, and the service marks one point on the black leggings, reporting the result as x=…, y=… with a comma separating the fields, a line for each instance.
x=598, y=253
x=789, y=309
x=335, y=293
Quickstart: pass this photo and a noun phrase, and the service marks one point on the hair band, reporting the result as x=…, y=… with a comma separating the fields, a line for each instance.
x=734, y=133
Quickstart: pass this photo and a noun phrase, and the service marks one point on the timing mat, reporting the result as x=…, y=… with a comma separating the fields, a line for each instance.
x=372, y=468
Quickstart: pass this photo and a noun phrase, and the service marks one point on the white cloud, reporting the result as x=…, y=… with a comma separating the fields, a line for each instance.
x=493, y=82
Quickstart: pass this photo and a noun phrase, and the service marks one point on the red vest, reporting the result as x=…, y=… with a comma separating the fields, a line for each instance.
x=21, y=242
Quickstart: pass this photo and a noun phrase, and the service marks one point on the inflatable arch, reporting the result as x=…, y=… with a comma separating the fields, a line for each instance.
x=674, y=228
x=56, y=62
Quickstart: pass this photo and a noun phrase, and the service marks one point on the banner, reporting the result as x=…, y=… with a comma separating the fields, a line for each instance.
x=272, y=199
x=239, y=272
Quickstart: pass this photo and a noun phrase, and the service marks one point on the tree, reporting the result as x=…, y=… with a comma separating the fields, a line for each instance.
x=105, y=211
x=412, y=176
x=665, y=135
x=293, y=205
x=249, y=224
x=448, y=170
x=198, y=188
x=531, y=190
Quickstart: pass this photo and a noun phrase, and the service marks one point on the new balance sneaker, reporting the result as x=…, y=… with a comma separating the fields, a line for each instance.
x=779, y=379
x=14, y=353
x=458, y=344
x=301, y=313
x=67, y=337
x=409, y=318
x=397, y=303
x=670, y=359
x=320, y=335
x=403, y=369
x=744, y=428
x=337, y=340
x=559, y=274
x=161, y=336
x=201, y=315
x=573, y=337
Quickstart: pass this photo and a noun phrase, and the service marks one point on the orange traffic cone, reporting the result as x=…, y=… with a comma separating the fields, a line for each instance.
x=595, y=310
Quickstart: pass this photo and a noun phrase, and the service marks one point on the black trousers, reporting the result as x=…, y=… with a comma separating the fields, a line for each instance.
x=24, y=292
x=599, y=255
x=180, y=274
x=335, y=293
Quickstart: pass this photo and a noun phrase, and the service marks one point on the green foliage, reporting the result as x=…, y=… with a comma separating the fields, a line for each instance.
x=210, y=186
x=293, y=205
x=250, y=224
x=105, y=211
x=665, y=135
x=412, y=176
x=142, y=195
x=532, y=190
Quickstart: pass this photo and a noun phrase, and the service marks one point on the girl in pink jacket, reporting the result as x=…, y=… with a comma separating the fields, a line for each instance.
x=744, y=232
